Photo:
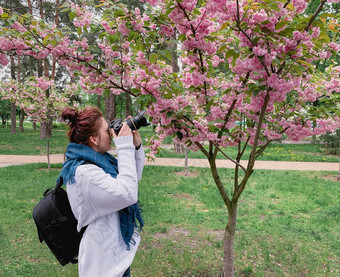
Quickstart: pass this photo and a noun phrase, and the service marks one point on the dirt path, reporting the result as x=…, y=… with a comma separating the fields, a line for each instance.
x=7, y=160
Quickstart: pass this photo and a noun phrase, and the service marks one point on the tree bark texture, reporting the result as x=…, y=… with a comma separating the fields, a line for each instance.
x=13, y=107
x=229, y=235
x=13, y=118
x=21, y=121
x=99, y=102
x=110, y=107
x=46, y=129
x=48, y=155
x=128, y=104
x=56, y=21
x=22, y=112
x=30, y=8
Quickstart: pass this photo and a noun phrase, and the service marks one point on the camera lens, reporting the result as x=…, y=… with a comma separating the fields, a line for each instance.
x=134, y=122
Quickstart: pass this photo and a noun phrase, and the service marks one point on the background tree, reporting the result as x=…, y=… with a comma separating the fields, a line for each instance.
x=332, y=10
x=31, y=97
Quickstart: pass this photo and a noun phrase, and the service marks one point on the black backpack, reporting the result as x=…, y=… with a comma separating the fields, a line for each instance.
x=57, y=225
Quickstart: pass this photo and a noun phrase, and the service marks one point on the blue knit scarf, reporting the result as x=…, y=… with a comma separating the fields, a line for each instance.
x=77, y=154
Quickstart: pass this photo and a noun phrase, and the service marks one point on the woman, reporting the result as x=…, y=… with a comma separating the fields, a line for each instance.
x=103, y=191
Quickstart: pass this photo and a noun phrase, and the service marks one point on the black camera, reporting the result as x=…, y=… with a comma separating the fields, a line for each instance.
x=134, y=122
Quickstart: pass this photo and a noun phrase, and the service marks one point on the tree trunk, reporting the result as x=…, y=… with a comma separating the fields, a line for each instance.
x=43, y=130
x=173, y=51
x=30, y=9
x=40, y=68
x=40, y=62
x=179, y=148
x=13, y=107
x=56, y=21
x=22, y=112
x=41, y=9
x=229, y=234
x=13, y=118
x=46, y=129
x=128, y=104
x=110, y=107
x=186, y=162
x=313, y=141
x=48, y=155
x=21, y=121
x=99, y=98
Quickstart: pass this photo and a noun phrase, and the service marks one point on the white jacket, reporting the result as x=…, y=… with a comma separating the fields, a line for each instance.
x=96, y=199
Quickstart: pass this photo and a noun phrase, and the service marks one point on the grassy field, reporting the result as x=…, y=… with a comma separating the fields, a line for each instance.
x=274, y=152
x=29, y=143
x=288, y=224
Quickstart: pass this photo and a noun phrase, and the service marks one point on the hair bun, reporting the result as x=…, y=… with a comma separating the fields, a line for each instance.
x=69, y=115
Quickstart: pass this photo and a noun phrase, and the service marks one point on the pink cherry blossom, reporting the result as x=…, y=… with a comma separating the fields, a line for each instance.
x=3, y=59
x=43, y=83
x=177, y=15
x=266, y=71
x=122, y=28
x=300, y=5
x=258, y=51
x=166, y=30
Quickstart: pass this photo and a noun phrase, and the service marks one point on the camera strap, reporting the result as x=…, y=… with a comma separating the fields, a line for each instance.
x=134, y=125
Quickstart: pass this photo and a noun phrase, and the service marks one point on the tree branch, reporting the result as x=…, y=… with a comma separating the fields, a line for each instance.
x=260, y=151
x=252, y=157
x=219, y=184
x=318, y=10
x=224, y=154
x=201, y=147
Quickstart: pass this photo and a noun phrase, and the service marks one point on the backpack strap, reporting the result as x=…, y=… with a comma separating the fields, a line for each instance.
x=59, y=184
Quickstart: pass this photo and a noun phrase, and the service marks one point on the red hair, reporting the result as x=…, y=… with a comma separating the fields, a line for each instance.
x=83, y=124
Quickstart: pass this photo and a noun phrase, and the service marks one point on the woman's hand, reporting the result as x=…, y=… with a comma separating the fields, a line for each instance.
x=124, y=131
x=137, y=140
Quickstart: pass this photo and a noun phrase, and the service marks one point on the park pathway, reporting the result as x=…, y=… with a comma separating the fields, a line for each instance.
x=7, y=160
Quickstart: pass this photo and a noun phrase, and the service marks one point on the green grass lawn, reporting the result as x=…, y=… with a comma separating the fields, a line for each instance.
x=274, y=152
x=29, y=143
x=288, y=224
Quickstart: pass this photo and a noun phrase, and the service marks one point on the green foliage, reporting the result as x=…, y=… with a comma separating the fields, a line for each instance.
x=332, y=142
x=287, y=224
x=5, y=110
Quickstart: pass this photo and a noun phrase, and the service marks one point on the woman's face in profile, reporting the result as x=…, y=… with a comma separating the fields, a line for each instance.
x=104, y=136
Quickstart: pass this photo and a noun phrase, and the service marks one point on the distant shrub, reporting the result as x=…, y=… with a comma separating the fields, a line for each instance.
x=332, y=142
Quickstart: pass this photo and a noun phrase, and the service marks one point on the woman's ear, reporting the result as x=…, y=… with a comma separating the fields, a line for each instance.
x=93, y=141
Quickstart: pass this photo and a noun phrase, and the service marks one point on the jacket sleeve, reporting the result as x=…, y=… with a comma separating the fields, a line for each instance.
x=140, y=160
